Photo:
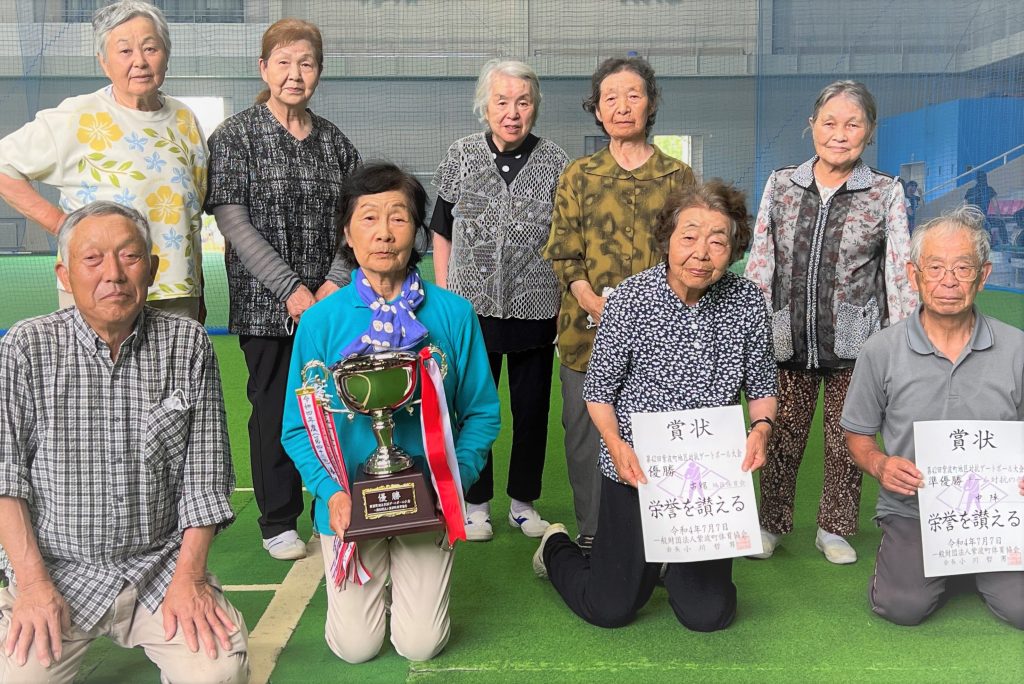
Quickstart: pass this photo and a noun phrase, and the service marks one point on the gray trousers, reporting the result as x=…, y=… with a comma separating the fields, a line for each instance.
x=901, y=593
x=582, y=446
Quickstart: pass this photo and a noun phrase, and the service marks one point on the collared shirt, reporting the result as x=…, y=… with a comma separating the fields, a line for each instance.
x=115, y=459
x=602, y=231
x=655, y=353
x=901, y=378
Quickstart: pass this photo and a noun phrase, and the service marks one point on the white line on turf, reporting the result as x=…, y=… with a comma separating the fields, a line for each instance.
x=282, y=615
x=251, y=587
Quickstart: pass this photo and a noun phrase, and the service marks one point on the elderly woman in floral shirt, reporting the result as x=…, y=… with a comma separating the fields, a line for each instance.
x=127, y=142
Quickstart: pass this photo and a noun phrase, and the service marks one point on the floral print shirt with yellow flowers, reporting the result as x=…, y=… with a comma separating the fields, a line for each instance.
x=91, y=148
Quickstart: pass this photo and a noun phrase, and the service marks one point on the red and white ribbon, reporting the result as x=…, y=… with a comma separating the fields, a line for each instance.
x=439, y=447
x=323, y=437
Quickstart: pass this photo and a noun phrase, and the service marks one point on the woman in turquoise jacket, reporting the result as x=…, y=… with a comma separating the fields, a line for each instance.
x=388, y=307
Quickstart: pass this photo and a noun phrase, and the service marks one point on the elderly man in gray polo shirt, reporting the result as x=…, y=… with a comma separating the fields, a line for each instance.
x=947, y=361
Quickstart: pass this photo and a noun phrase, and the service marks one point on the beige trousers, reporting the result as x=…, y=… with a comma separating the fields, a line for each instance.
x=130, y=624
x=181, y=306
x=420, y=573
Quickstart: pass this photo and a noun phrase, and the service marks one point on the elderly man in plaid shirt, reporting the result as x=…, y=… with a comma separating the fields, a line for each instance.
x=115, y=472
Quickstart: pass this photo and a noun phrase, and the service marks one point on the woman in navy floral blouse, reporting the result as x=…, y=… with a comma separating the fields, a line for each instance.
x=684, y=334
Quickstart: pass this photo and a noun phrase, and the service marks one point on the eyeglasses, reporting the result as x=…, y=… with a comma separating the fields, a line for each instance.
x=962, y=272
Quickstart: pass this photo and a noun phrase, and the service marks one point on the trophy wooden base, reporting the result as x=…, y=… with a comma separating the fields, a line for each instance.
x=389, y=505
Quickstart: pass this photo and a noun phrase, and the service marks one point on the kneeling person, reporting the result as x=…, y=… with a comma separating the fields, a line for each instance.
x=387, y=306
x=978, y=365
x=115, y=472
x=645, y=360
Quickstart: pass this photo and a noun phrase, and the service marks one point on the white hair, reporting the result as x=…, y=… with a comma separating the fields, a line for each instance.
x=967, y=218
x=101, y=208
x=508, y=67
x=106, y=19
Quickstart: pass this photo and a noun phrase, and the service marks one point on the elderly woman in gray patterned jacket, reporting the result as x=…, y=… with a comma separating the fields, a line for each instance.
x=829, y=252
x=495, y=191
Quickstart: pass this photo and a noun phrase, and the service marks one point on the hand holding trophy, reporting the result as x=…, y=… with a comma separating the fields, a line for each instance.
x=390, y=494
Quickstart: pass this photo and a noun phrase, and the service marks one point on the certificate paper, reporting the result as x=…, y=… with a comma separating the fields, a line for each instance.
x=697, y=504
x=971, y=507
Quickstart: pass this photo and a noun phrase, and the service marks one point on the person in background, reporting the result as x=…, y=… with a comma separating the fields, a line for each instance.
x=276, y=171
x=115, y=144
x=976, y=363
x=110, y=500
x=388, y=307
x=684, y=334
x=829, y=250
x=602, y=232
x=913, y=192
x=496, y=190
x=981, y=195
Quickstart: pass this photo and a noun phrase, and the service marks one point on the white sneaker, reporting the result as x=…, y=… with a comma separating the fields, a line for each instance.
x=286, y=546
x=769, y=540
x=478, y=526
x=836, y=549
x=538, y=556
x=529, y=521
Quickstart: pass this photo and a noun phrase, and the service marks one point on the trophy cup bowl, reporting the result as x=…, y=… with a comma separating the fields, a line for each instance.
x=390, y=495
x=376, y=385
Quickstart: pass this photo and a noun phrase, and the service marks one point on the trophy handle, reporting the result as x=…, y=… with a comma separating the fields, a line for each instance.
x=315, y=375
x=443, y=359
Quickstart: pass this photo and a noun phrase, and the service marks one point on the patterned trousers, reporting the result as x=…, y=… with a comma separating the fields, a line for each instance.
x=839, y=509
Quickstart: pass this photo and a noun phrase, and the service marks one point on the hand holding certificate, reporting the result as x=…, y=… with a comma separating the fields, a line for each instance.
x=698, y=502
x=971, y=505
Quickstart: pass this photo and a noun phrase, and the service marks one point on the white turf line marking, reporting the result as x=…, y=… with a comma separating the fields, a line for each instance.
x=251, y=587
x=282, y=614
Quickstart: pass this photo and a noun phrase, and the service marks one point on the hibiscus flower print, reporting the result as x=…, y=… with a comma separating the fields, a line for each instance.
x=164, y=264
x=155, y=163
x=87, y=193
x=179, y=176
x=187, y=125
x=98, y=131
x=165, y=205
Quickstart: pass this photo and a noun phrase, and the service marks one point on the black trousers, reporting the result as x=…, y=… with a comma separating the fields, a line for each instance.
x=529, y=384
x=616, y=581
x=277, y=484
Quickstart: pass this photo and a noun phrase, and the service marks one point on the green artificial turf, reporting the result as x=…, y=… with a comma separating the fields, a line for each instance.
x=800, y=619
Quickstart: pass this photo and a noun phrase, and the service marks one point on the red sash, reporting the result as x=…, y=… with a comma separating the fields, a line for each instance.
x=439, y=447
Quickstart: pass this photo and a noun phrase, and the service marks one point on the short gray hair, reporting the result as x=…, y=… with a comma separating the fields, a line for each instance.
x=508, y=67
x=967, y=218
x=101, y=208
x=106, y=19
x=859, y=93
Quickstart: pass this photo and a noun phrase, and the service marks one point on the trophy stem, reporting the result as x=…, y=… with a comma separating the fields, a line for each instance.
x=387, y=458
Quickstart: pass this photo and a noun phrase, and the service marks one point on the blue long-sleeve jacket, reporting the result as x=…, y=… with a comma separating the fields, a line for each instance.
x=327, y=327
